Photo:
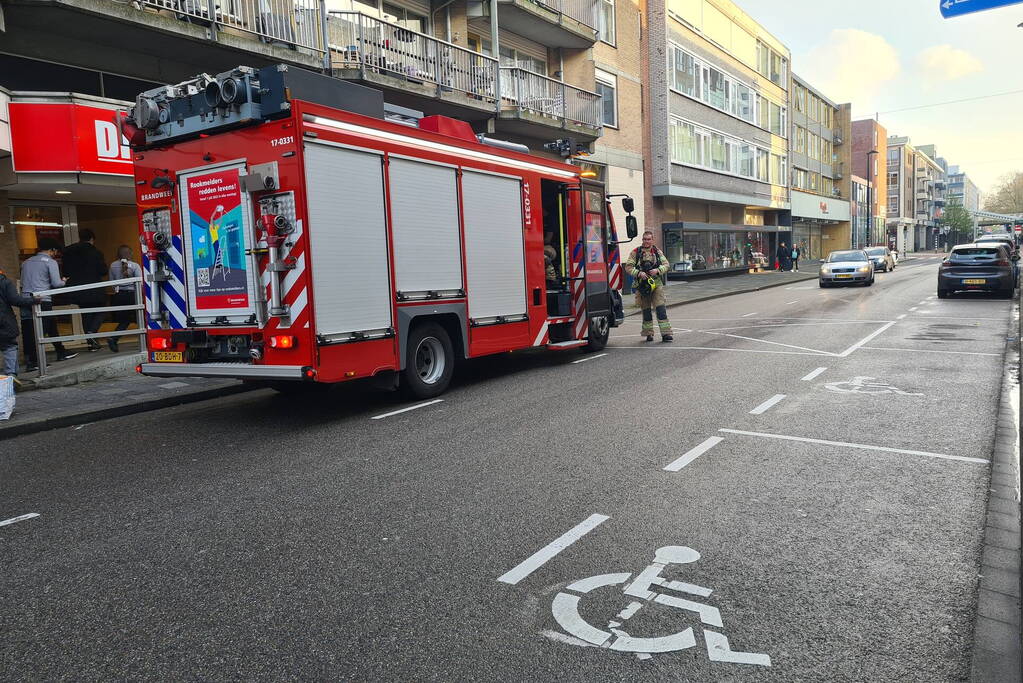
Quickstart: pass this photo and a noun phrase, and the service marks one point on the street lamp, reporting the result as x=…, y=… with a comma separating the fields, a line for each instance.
x=870, y=206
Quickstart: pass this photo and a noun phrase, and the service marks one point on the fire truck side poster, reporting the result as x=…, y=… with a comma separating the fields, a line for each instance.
x=218, y=241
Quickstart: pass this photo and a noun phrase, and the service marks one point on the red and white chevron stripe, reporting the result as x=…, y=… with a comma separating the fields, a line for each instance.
x=579, y=290
x=294, y=291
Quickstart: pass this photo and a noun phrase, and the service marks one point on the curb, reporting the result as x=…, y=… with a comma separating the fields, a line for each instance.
x=58, y=421
x=721, y=295
x=996, y=633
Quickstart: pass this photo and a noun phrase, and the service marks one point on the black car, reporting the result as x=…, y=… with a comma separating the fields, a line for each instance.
x=982, y=267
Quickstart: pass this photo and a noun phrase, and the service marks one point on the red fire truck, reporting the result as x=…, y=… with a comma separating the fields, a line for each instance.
x=293, y=234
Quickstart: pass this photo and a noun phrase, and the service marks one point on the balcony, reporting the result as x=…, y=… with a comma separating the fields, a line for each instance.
x=167, y=40
x=415, y=68
x=836, y=137
x=536, y=106
x=923, y=193
x=837, y=171
x=556, y=23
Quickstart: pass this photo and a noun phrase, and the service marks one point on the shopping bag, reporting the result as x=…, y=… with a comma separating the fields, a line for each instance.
x=6, y=396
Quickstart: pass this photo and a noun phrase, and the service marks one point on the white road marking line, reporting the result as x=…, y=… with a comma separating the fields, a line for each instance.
x=790, y=317
x=792, y=302
x=923, y=303
x=846, y=444
x=542, y=556
x=865, y=340
x=767, y=323
x=912, y=309
x=693, y=454
x=19, y=518
x=957, y=353
x=749, y=314
x=671, y=347
x=813, y=374
x=900, y=317
x=405, y=410
x=764, y=341
x=957, y=317
x=767, y=405
x=583, y=360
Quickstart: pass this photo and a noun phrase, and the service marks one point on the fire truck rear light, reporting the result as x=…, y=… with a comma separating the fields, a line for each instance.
x=159, y=343
x=349, y=374
x=282, y=341
x=308, y=373
x=138, y=369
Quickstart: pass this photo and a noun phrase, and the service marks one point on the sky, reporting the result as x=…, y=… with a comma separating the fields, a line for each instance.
x=887, y=55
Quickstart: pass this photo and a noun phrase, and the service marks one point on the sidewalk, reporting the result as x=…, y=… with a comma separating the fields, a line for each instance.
x=678, y=292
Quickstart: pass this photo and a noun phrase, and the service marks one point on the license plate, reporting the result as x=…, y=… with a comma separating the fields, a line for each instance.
x=980, y=281
x=843, y=275
x=168, y=357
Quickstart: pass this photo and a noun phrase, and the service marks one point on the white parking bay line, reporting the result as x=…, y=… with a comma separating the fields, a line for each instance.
x=746, y=315
x=865, y=340
x=583, y=360
x=542, y=556
x=912, y=309
x=693, y=454
x=19, y=518
x=846, y=444
x=813, y=374
x=767, y=405
x=792, y=302
x=405, y=410
x=900, y=317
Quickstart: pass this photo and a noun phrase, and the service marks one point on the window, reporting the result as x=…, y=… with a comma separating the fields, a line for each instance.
x=718, y=153
x=763, y=59
x=800, y=140
x=827, y=185
x=772, y=65
x=777, y=170
x=815, y=181
x=685, y=73
x=814, y=151
x=893, y=179
x=404, y=18
x=799, y=179
x=747, y=153
x=763, y=113
x=800, y=98
x=511, y=57
x=606, y=30
x=607, y=86
x=683, y=143
x=763, y=165
x=777, y=120
x=743, y=102
x=714, y=88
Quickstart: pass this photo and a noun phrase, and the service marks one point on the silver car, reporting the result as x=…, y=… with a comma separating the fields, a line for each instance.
x=882, y=258
x=847, y=267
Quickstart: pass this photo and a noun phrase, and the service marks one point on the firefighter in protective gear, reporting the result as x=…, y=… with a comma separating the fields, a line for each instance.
x=647, y=266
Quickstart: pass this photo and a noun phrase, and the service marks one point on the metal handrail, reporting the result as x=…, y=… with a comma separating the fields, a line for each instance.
x=38, y=314
x=295, y=22
x=583, y=11
x=360, y=41
x=549, y=97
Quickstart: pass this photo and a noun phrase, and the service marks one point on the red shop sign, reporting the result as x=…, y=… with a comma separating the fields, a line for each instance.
x=67, y=138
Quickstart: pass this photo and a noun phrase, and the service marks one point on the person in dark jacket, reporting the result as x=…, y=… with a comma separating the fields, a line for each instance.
x=9, y=297
x=84, y=264
x=783, y=255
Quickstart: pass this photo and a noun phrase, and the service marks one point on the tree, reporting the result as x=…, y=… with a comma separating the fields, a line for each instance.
x=959, y=223
x=1008, y=196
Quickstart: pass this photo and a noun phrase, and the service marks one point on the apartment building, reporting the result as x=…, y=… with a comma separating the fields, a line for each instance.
x=916, y=199
x=870, y=162
x=962, y=190
x=519, y=70
x=859, y=213
x=819, y=158
x=717, y=144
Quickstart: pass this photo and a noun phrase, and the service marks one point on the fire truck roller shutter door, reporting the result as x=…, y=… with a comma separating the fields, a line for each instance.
x=424, y=215
x=495, y=269
x=348, y=240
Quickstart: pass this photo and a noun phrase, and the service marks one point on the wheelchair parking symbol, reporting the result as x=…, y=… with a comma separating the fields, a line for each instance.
x=565, y=608
x=866, y=385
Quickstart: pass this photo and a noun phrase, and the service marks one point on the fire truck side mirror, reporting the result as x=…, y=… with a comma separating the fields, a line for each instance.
x=631, y=226
x=628, y=205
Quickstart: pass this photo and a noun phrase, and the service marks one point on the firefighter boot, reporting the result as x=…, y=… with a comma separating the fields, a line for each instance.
x=648, y=325
x=663, y=325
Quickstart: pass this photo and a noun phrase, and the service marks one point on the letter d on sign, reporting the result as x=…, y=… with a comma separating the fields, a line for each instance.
x=108, y=142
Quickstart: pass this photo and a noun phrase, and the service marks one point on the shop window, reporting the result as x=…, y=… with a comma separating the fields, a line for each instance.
x=695, y=251
x=33, y=223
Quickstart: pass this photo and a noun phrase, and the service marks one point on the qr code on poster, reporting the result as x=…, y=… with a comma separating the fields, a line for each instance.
x=203, y=276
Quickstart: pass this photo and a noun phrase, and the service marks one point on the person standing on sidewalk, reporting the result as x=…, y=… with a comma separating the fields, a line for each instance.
x=781, y=255
x=38, y=274
x=85, y=265
x=9, y=297
x=124, y=295
x=647, y=266
x=797, y=251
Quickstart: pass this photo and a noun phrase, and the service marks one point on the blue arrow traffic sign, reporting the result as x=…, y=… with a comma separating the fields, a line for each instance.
x=955, y=8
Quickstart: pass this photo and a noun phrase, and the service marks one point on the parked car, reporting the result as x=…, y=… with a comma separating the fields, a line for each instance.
x=981, y=266
x=882, y=258
x=846, y=267
x=1004, y=237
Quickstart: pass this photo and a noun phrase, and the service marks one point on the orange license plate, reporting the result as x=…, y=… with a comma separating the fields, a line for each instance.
x=168, y=357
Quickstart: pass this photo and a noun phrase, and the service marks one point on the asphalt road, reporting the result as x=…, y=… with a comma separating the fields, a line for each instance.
x=260, y=536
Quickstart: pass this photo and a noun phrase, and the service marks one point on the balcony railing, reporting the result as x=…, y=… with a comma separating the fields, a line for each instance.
x=359, y=41
x=294, y=22
x=545, y=96
x=836, y=137
x=583, y=11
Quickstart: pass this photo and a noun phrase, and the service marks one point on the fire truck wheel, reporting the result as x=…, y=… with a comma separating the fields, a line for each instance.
x=429, y=362
x=600, y=330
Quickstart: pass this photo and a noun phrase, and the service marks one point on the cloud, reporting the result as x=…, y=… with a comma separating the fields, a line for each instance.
x=852, y=66
x=941, y=63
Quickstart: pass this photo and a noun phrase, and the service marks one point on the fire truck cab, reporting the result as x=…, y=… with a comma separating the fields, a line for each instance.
x=293, y=235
